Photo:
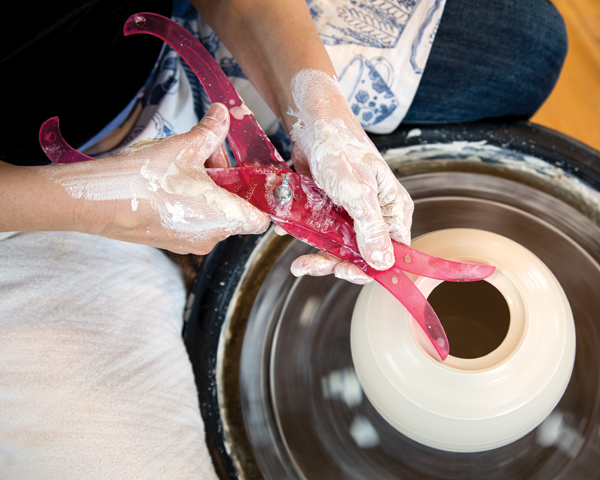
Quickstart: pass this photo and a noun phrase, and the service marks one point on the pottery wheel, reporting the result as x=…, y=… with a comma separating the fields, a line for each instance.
x=304, y=412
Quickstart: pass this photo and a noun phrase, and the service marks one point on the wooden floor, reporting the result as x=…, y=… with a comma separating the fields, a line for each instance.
x=573, y=107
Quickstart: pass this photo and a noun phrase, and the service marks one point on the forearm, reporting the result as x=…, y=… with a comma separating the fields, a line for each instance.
x=271, y=41
x=30, y=201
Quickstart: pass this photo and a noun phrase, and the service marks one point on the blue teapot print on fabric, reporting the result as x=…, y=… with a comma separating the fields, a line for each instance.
x=367, y=92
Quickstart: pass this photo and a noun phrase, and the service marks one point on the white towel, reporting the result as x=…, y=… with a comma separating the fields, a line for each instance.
x=95, y=382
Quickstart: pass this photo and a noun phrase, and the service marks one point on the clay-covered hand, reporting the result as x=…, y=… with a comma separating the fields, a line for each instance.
x=158, y=192
x=330, y=145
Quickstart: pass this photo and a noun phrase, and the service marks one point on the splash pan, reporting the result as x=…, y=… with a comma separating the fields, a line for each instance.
x=304, y=411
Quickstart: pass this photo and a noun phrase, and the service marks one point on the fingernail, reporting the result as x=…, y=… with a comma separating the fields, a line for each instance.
x=258, y=222
x=297, y=269
x=383, y=260
x=351, y=273
x=388, y=259
x=405, y=237
x=218, y=112
x=279, y=231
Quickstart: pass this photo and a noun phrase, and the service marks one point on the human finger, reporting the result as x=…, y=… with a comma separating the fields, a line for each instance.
x=209, y=135
x=397, y=208
x=279, y=231
x=321, y=264
x=372, y=232
x=218, y=159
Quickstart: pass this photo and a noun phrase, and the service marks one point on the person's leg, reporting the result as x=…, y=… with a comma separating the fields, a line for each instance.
x=498, y=58
x=95, y=381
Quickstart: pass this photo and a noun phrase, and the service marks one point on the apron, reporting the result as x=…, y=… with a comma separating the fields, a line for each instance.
x=379, y=49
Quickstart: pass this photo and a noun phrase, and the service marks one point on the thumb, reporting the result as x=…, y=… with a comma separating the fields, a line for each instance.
x=210, y=133
x=218, y=159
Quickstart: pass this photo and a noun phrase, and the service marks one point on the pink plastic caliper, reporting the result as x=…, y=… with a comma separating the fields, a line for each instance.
x=293, y=201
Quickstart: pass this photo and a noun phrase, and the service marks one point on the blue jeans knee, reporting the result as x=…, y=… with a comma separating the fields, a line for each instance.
x=499, y=58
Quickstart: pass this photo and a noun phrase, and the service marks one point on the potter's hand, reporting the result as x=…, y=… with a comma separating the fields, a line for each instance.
x=158, y=192
x=331, y=146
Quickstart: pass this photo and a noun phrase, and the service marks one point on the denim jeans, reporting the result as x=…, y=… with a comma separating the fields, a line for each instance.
x=493, y=58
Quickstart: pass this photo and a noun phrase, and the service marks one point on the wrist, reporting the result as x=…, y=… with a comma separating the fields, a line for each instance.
x=30, y=202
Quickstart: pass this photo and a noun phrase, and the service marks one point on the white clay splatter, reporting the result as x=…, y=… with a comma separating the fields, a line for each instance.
x=554, y=431
x=309, y=310
x=415, y=132
x=134, y=203
x=182, y=199
x=363, y=432
x=177, y=212
x=240, y=112
x=342, y=385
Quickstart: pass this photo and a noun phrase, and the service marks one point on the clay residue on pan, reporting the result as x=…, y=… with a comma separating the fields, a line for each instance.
x=480, y=157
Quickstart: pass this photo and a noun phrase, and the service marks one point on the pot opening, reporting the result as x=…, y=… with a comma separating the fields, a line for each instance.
x=474, y=315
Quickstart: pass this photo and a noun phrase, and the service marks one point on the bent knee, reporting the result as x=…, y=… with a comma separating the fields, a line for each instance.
x=504, y=60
